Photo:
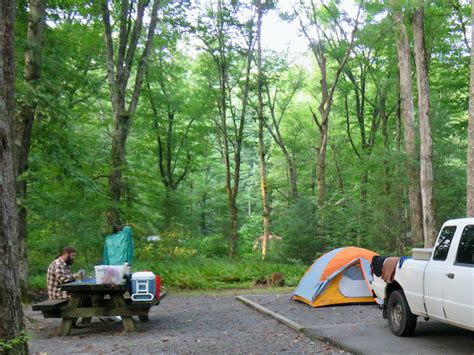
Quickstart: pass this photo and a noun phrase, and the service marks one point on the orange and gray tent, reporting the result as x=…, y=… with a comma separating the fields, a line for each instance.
x=340, y=276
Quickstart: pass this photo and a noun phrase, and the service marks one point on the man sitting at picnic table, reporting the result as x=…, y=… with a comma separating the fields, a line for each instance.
x=59, y=273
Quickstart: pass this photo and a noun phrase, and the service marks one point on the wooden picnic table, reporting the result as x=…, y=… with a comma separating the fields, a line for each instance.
x=88, y=299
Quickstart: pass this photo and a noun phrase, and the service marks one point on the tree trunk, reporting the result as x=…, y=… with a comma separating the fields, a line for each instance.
x=24, y=126
x=426, y=143
x=409, y=132
x=386, y=149
x=119, y=139
x=11, y=312
x=233, y=237
x=261, y=143
x=327, y=94
x=119, y=68
x=470, y=131
x=321, y=170
x=339, y=180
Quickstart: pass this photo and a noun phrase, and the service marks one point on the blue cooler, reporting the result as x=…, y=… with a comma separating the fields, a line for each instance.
x=143, y=286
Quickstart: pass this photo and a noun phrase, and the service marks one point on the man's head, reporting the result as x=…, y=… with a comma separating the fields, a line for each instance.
x=68, y=254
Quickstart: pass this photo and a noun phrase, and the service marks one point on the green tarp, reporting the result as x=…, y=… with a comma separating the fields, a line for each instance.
x=118, y=248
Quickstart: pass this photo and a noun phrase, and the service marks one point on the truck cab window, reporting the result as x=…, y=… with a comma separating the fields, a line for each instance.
x=443, y=243
x=466, y=247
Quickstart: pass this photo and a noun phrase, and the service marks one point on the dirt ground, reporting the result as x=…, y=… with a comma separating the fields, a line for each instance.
x=180, y=324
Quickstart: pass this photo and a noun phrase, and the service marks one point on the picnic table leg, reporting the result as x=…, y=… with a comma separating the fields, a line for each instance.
x=144, y=318
x=127, y=321
x=66, y=324
x=96, y=301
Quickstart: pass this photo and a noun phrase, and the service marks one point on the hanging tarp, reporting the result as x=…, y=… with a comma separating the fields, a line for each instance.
x=118, y=248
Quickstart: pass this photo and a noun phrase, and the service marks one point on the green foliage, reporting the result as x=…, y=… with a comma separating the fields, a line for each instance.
x=298, y=227
x=367, y=198
x=250, y=230
x=219, y=273
x=9, y=344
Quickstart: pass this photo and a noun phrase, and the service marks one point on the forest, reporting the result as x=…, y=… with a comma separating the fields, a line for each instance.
x=171, y=118
x=177, y=119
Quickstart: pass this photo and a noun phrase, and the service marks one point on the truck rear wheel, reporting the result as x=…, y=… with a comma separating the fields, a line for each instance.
x=400, y=319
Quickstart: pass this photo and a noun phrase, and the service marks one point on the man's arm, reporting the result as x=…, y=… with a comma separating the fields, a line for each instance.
x=63, y=275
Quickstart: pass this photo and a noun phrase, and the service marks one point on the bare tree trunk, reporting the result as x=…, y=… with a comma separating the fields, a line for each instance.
x=339, y=180
x=118, y=75
x=24, y=126
x=386, y=149
x=321, y=170
x=11, y=311
x=233, y=236
x=261, y=143
x=470, y=130
x=406, y=95
x=426, y=143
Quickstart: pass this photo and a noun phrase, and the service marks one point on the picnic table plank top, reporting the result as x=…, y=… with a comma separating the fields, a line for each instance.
x=90, y=286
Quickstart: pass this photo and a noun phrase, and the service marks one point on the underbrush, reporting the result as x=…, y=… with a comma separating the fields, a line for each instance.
x=220, y=273
x=200, y=273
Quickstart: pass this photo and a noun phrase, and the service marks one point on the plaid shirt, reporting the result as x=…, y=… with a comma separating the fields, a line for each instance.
x=58, y=273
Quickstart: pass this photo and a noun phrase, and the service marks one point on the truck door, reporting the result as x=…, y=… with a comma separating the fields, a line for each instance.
x=435, y=273
x=458, y=281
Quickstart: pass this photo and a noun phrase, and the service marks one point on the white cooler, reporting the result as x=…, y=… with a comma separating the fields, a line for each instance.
x=143, y=286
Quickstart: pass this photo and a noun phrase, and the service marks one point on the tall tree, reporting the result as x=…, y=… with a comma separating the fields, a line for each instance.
x=406, y=96
x=170, y=153
x=261, y=142
x=470, y=130
x=11, y=312
x=24, y=126
x=320, y=46
x=280, y=90
x=426, y=143
x=232, y=97
x=120, y=63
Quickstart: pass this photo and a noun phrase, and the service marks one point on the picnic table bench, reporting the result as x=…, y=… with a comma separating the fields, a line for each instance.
x=88, y=300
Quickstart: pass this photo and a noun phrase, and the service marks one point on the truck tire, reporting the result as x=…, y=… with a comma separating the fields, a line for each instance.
x=400, y=319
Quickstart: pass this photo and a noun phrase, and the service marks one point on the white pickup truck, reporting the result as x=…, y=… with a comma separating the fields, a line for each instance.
x=437, y=283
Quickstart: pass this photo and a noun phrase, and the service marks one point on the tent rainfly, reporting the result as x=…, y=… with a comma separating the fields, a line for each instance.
x=339, y=276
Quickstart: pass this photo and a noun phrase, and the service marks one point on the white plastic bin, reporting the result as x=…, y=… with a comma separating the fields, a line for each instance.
x=109, y=274
x=143, y=286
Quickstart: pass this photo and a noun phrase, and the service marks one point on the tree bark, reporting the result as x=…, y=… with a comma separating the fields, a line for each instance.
x=470, y=130
x=426, y=143
x=24, y=125
x=261, y=143
x=118, y=75
x=409, y=132
x=11, y=312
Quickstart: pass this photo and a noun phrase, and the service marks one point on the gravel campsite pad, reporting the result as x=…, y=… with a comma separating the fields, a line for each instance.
x=361, y=328
x=180, y=324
